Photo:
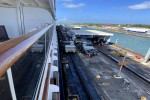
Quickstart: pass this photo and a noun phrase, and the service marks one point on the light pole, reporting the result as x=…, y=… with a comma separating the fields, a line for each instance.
x=123, y=63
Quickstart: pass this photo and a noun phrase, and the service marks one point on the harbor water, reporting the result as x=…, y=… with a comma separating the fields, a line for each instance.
x=134, y=43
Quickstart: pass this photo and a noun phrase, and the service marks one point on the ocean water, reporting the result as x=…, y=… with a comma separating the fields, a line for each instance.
x=135, y=43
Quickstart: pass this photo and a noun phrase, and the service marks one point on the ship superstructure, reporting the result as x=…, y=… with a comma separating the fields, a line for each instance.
x=29, y=57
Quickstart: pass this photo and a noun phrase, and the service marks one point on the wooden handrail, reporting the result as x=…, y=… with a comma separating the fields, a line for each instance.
x=4, y=46
x=17, y=48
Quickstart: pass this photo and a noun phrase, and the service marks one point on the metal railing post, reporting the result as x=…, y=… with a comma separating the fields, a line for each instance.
x=11, y=84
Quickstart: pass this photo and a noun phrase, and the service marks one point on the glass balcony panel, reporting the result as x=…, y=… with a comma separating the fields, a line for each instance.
x=5, y=93
x=27, y=71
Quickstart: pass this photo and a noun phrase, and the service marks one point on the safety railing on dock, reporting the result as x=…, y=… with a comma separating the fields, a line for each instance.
x=30, y=46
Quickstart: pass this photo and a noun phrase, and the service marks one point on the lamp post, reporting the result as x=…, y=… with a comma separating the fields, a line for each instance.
x=123, y=63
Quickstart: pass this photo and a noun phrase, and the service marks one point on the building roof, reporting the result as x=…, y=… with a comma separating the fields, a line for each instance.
x=91, y=32
x=138, y=29
x=72, y=27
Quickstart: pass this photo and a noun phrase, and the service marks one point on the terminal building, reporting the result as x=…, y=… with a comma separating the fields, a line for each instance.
x=138, y=30
x=94, y=35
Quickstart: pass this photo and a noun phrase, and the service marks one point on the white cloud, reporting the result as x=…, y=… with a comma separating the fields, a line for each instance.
x=67, y=0
x=144, y=5
x=71, y=5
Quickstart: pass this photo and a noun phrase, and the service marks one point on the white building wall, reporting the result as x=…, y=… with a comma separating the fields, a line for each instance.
x=148, y=32
x=36, y=17
x=33, y=17
x=8, y=18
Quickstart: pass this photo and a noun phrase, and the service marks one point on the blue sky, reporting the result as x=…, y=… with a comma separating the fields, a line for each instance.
x=104, y=11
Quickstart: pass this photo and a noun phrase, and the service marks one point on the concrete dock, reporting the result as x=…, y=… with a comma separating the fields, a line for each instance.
x=129, y=87
x=131, y=54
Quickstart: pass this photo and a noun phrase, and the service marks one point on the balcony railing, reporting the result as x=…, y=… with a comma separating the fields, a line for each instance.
x=17, y=56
